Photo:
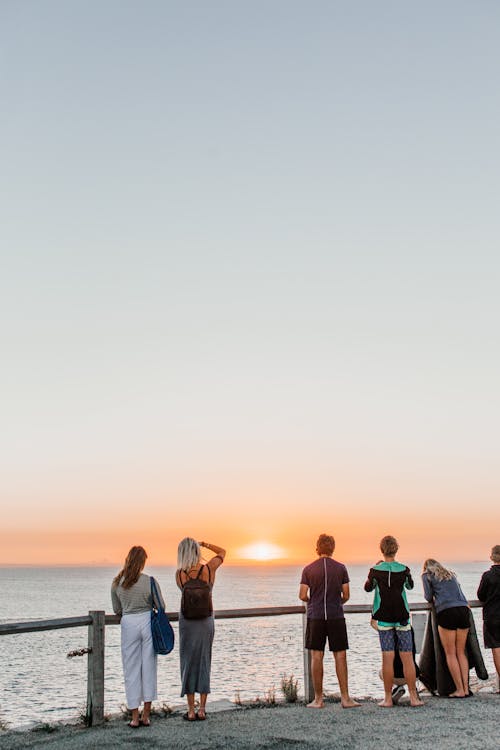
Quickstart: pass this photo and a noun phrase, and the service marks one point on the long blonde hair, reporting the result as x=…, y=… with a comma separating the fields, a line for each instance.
x=134, y=564
x=437, y=570
x=188, y=554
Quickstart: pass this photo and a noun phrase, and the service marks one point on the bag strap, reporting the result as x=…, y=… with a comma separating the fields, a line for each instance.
x=190, y=578
x=155, y=595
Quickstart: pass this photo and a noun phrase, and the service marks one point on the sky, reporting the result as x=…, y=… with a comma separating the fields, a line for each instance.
x=249, y=278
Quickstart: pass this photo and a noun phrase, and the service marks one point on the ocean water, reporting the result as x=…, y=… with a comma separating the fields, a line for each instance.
x=39, y=683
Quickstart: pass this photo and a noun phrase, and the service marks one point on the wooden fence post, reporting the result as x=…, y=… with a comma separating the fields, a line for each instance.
x=95, y=669
x=419, y=623
x=308, y=683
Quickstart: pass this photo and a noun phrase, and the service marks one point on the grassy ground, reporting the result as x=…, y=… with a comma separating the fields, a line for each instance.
x=459, y=724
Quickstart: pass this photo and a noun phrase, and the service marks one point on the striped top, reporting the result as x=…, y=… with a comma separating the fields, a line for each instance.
x=136, y=599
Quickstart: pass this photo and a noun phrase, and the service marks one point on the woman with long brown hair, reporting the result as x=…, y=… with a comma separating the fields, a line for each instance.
x=132, y=600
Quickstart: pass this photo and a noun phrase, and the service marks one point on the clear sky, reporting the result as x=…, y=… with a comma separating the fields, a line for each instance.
x=249, y=284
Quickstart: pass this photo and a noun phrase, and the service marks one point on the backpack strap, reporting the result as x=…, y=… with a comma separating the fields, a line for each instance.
x=190, y=578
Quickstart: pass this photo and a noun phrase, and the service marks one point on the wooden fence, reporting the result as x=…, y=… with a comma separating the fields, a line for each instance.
x=97, y=620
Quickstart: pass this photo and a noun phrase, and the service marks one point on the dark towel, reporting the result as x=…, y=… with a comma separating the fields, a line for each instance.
x=434, y=671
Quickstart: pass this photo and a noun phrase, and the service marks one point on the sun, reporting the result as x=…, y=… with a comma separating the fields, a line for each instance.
x=262, y=551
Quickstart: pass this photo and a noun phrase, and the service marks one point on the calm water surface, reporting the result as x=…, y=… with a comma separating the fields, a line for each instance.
x=38, y=682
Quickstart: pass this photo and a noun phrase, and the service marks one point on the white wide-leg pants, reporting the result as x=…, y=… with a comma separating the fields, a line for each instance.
x=138, y=659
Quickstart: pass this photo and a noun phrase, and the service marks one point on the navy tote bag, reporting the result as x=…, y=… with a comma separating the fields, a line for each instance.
x=161, y=629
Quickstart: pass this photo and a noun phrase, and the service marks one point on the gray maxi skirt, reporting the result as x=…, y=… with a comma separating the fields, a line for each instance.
x=195, y=647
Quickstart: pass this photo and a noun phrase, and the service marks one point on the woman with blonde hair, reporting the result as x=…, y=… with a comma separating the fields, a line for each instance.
x=196, y=621
x=441, y=587
x=132, y=600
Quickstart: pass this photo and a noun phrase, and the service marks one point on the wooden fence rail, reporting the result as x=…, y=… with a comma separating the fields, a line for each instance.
x=97, y=620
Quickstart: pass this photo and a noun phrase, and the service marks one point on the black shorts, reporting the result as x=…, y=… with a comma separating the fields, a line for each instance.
x=454, y=618
x=491, y=633
x=317, y=631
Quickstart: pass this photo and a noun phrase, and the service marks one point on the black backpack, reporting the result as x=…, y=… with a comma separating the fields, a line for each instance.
x=196, y=601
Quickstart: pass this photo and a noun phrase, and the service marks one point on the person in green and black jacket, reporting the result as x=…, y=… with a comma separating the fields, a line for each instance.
x=391, y=616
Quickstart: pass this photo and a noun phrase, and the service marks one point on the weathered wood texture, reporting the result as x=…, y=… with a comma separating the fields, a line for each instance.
x=32, y=626
x=35, y=626
x=308, y=683
x=95, y=669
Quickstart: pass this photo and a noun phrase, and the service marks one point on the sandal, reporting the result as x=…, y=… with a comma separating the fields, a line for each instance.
x=133, y=726
x=203, y=717
x=187, y=717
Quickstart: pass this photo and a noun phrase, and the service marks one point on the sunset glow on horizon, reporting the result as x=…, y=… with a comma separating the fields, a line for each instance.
x=261, y=552
x=250, y=286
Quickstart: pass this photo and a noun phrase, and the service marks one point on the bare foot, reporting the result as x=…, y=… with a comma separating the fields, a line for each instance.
x=386, y=704
x=349, y=703
x=456, y=694
x=416, y=702
x=316, y=704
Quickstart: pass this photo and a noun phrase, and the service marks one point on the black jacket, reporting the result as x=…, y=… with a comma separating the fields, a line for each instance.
x=390, y=605
x=489, y=593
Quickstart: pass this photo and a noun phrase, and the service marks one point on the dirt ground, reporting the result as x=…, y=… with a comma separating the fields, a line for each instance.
x=442, y=723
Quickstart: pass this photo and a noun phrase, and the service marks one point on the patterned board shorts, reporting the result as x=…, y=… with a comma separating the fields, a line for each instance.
x=396, y=637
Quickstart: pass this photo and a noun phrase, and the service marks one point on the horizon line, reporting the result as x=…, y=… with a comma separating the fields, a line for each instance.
x=238, y=563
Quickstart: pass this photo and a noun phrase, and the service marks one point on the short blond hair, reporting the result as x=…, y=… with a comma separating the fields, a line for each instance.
x=389, y=545
x=495, y=554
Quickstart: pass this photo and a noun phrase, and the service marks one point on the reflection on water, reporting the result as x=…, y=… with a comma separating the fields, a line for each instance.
x=250, y=655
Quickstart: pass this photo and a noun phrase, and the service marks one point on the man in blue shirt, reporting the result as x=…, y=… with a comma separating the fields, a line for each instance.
x=324, y=586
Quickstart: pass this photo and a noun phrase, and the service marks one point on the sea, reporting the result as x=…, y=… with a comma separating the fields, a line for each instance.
x=39, y=683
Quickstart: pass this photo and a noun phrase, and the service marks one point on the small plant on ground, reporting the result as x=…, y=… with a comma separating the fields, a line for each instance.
x=237, y=698
x=83, y=718
x=331, y=697
x=270, y=696
x=45, y=727
x=126, y=714
x=165, y=709
x=289, y=689
x=3, y=725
